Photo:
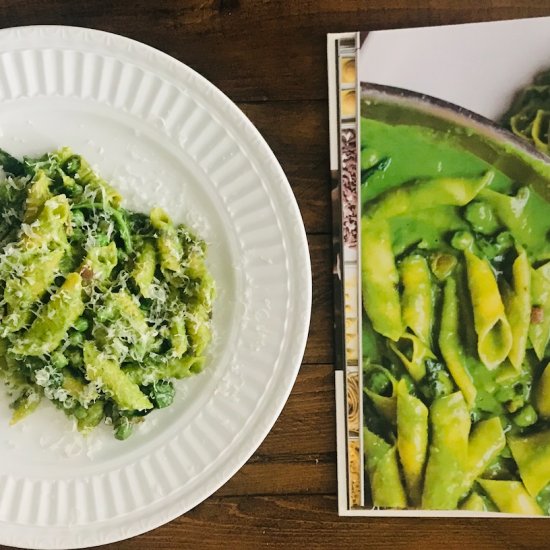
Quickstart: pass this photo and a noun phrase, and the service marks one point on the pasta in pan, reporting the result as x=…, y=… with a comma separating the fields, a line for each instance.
x=529, y=115
x=455, y=265
x=100, y=307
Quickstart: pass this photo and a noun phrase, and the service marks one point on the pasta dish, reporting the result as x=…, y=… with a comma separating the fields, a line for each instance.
x=101, y=308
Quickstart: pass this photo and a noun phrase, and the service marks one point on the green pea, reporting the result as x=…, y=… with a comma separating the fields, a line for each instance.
x=481, y=217
x=104, y=225
x=59, y=360
x=94, y=415
x=101, y=335
x=477, y=415
x=77, y=235
x=505, y=240
x=76, y=338
x=442, y=265
x=77, y=190
x=102, y=240
x=515, y=404
x=74, y=189
x=505, y=393
x=526, y=416
x=80, y=413
x=462, y=240
x=543, y=499
x=488, y=248
x=369, y=158
x=123, y=428
x=495, y=248
x=81, y=324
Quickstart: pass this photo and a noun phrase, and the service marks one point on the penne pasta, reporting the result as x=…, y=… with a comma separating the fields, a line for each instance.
x=80, y=170
x=413, y=353
x=448, y=453
x=105, y=371
x=381, y=388
x=412, y=440
x=144, y=269
x=145, y=375
x=517, y=304
x=542, y=393
x=178, y=336
x=196, y=327
x=494, y=335
x=169, y=247
x=417, y=297
x=49, y=229
x=510, y=497
x=449, y=344
x=379, y=279
x=55, y=319
x=426, y=194
x=383, y=471
x=486, y=442
x=23, y=291
x=38, y=194
x=539, y=329
x=476, y=503
x=532, y=455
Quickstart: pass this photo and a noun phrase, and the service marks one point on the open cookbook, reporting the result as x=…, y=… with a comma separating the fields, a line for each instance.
x=440, y=158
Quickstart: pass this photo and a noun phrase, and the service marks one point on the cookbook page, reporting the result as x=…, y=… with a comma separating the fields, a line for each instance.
x=409, y=260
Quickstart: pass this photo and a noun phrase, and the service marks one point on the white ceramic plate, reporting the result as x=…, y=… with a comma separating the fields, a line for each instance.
x=164, y=136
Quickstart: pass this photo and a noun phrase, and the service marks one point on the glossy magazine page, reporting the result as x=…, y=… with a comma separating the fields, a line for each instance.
x=442, y=271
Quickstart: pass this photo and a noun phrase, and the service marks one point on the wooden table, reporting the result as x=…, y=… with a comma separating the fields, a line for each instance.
x=269, y=57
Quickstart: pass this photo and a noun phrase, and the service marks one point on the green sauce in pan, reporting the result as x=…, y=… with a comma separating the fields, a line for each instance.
x=416, y=153
x=397, y=154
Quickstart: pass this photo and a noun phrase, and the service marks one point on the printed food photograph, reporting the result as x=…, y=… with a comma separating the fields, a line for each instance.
x=455, y=286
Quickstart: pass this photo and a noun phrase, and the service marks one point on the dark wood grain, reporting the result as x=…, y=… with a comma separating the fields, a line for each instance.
x=298, y=522
x=257, y=49
x=320, y=343
x=269, y=56
x=298, y=456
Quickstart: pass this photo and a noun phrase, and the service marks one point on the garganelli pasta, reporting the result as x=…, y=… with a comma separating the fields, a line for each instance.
x=100, y=307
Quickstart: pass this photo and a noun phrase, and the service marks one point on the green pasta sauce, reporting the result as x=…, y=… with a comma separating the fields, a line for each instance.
x=463, y=265
x=100, y=307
